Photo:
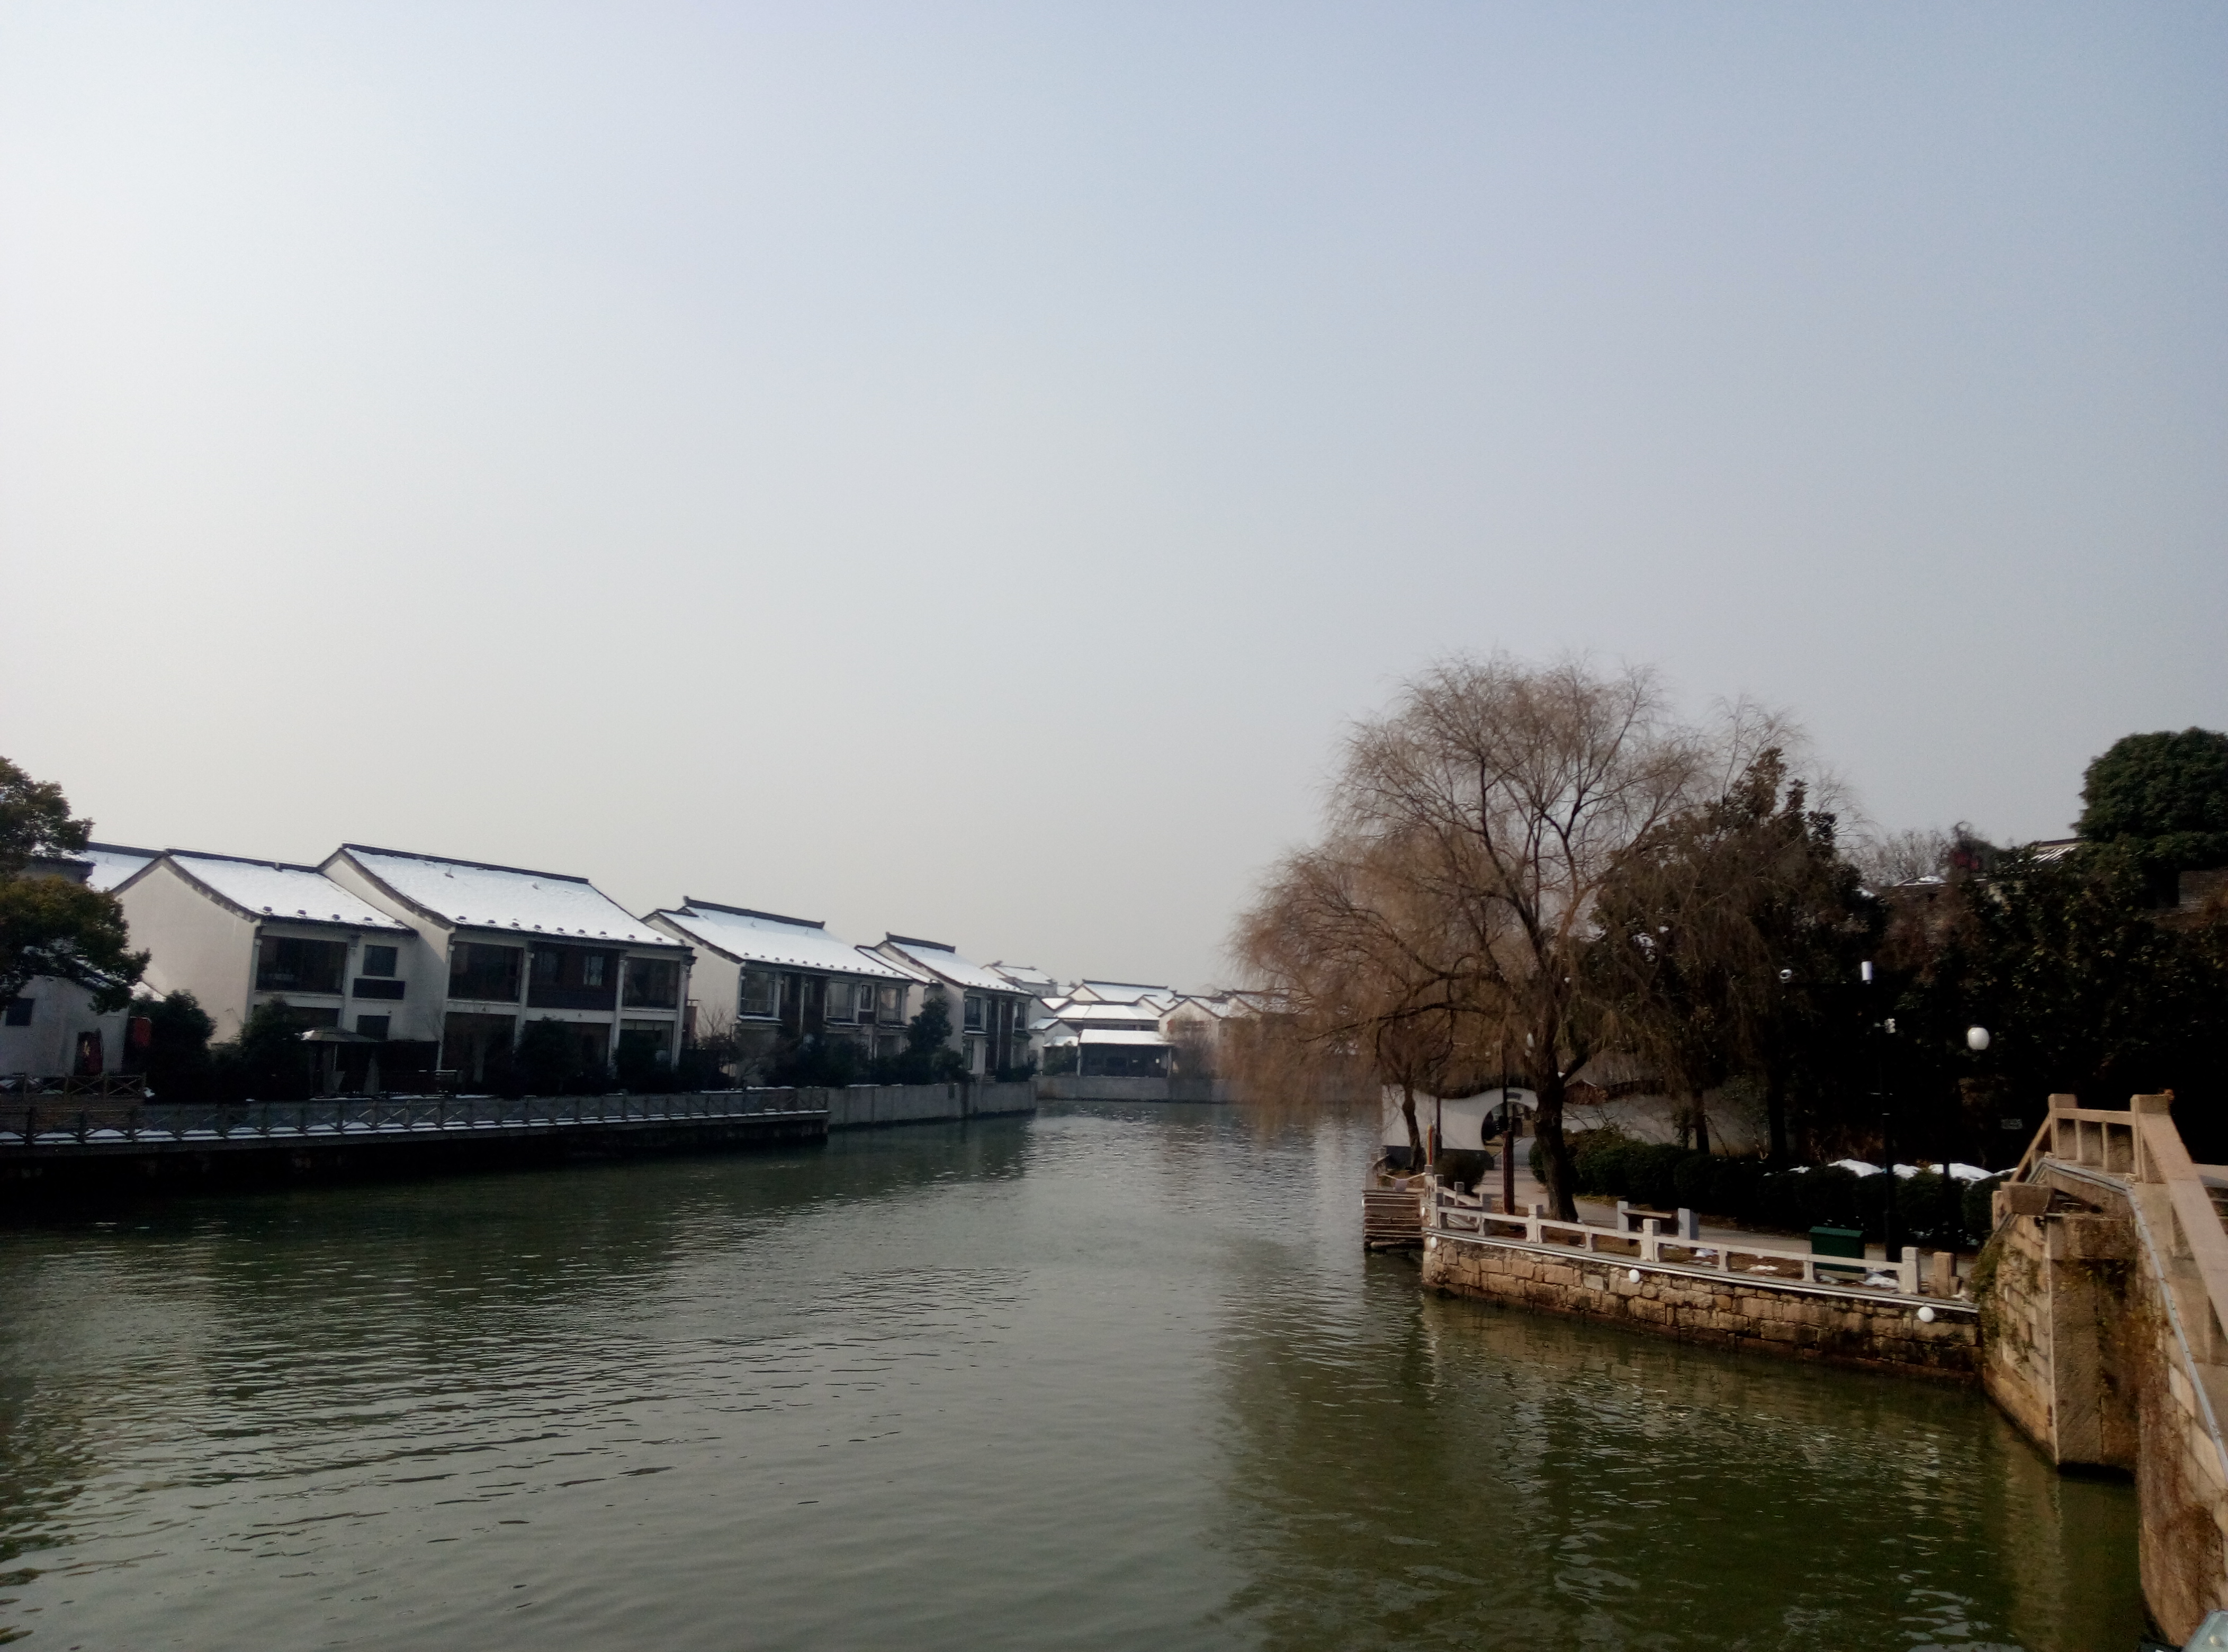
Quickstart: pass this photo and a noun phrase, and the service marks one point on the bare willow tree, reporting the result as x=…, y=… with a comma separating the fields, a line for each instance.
x=1472, y=829
x=1359, y=963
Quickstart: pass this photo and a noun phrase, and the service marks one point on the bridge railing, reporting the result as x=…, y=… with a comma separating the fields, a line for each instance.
x=56, y=1124
x=1454, y=1215
x=2141, y=1145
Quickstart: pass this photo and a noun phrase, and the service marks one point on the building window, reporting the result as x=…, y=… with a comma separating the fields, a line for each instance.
x=571, y=977
x=654, y=1037
x=372, y=1025
x=652, y=984
x=893, y=1002
x=379, y=960
x=974, y=1013
x=757, y=992
x=840, y=1004
x=289, y=963
x=19, y=1011
x=471, y=1046
x=487, y=973
x=367, y=988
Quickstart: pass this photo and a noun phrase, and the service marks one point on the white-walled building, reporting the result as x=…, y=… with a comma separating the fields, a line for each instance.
x=237, y=933
x=758, y=973
x=498, y=946
x=1099, y=1034
x=50, y=1029
x=989, y=1015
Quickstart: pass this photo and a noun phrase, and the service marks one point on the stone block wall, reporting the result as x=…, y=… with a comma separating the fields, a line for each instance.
x=863, y=1105
x=1724, y=1312
x=2081, y=1293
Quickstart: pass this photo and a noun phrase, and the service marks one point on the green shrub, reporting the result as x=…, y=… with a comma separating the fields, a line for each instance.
x=1975, y=1207
x=1652, y=1173
x=1734, y=1184
x=1694, y=1183
x=1599, y=1157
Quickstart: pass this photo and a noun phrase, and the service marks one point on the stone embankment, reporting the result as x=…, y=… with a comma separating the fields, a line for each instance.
x=2103, y=1294
x=1846, y=1327
x=2098, y=1319
x=862, y=1106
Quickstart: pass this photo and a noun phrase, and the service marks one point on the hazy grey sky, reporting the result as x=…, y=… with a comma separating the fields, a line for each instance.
x=955, y=468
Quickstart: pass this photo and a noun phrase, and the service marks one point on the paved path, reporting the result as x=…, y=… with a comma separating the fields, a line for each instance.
x=1602, y=1212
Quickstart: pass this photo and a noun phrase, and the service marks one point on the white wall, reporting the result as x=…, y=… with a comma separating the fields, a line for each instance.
x=198, y=946
x=60, y=1011
x=1462, y=1115
x=419, y=1013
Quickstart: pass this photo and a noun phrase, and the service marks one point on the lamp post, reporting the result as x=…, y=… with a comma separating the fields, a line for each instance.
x=1891, y=1224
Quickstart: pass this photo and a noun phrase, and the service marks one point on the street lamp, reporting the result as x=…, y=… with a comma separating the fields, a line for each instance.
x=1891, y=1227
x=1977, y=1039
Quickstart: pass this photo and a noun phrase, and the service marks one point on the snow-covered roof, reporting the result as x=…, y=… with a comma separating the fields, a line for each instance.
x=477, y=896
x=762, y=938
x=1122, y=992
x=111, y=863
x=1078, y=1014
x=1106, y=1035
x=1027, y=977
x=942, y=961
x=276, y=889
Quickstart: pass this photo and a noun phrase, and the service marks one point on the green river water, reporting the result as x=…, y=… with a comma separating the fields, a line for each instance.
x=1106, y=1378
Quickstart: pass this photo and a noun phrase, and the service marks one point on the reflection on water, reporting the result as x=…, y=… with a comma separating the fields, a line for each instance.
x=1110, y=1377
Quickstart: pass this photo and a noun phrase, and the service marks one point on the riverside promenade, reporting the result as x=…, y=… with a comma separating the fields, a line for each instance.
x=1748, y=1292
x=62, y=1145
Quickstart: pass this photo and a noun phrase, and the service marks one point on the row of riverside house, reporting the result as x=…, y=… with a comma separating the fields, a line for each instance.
x=455, y=957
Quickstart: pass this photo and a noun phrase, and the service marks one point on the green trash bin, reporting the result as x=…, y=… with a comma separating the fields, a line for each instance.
x=1838, y=1241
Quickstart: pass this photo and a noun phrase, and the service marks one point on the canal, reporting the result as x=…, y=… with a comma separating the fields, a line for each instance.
x=1107, y=1378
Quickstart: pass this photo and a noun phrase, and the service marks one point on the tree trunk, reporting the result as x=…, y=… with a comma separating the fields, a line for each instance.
x=1774, y=1114
x=1701, y=1121
x=1415, y=1135
x=1554, y=1153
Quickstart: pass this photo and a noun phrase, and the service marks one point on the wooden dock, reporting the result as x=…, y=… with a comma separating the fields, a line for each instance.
x=1391, y=1211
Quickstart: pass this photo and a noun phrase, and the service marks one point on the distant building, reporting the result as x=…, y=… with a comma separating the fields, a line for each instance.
x=759, y=975
x=1026, y=977
x=990, y=1016
x=1108, y=1030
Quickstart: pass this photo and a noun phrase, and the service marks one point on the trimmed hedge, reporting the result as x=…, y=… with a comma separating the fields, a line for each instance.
x=1935, y=1211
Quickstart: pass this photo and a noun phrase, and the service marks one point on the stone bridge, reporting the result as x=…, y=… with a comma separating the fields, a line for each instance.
x=2103, y=1295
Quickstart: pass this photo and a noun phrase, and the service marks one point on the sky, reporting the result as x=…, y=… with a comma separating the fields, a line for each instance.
x=959, y=468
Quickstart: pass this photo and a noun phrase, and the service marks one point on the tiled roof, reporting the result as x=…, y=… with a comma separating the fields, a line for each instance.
x=276, y=889
x=470, y=894
x=762, y=938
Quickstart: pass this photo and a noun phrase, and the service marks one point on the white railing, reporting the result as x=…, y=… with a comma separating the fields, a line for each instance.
x=1452, y=1215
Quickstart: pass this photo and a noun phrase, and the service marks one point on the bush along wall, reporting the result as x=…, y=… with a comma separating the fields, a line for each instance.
x=1935, y=1211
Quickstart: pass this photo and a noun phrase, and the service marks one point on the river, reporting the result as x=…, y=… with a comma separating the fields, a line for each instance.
x=1109, y=1378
